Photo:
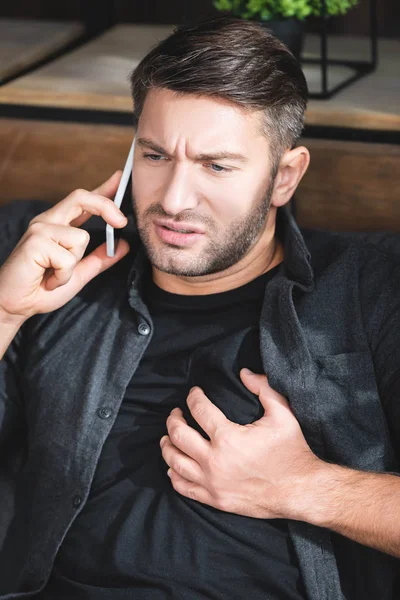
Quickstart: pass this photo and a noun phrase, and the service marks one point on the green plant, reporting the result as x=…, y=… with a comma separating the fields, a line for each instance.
x=264, y=10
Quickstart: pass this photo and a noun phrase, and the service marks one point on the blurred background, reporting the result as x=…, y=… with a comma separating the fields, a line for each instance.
x=65, y=105
x=355, y=22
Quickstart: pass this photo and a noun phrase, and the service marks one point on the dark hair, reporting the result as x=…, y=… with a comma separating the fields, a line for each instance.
x=234, y=59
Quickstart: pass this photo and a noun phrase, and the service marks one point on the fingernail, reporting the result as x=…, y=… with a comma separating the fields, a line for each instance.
x=248, y=372
x=169, y=472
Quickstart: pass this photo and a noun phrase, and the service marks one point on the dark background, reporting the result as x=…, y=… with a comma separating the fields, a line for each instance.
x=179, y=11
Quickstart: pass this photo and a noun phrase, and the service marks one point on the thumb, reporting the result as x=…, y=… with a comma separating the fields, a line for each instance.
x=97, y=261
x=258, y=384
x=109, y=187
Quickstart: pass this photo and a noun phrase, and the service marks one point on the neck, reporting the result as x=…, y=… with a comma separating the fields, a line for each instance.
x=266, y=254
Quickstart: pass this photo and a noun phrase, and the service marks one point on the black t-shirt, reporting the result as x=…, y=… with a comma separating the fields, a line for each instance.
x=137, y=537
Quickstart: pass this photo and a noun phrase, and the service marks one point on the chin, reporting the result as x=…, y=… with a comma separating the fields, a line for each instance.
x=175, y=267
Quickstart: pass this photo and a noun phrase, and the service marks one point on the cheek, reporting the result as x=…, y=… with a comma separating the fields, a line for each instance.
x=222, y=201
x=144, y=189
x=229, y=204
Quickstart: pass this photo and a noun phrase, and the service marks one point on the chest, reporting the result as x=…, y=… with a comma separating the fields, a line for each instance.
x=318, y=357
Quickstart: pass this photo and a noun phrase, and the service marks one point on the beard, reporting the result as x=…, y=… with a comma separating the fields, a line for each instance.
x=222, y=250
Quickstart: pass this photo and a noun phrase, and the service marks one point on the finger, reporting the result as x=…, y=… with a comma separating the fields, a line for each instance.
x=96, y=262
x=208, y=416
x=181, y=463
x=70, y=210
x=50, y=255
x=85, y=216
x=108, y=189
x=258, y=384
x=71, y=238
x=190, y=490
x=187, y=439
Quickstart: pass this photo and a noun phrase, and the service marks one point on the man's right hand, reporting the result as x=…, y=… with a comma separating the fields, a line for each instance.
x=46, y=268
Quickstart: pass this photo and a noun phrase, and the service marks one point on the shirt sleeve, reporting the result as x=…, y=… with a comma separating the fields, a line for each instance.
x=14, y=220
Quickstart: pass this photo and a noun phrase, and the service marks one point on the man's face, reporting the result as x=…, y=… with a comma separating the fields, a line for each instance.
x=225, y=200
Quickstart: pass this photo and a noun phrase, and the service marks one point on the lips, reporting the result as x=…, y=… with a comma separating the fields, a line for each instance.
x=178, y=227
x=175, y=238
x=179, y=230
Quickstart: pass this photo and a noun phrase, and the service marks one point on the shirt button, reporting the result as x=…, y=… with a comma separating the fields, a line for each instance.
x=77, y=501
x=104, y=412
x=144, y=329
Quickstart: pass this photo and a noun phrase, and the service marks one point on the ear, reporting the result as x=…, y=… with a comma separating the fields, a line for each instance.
x=293, y=165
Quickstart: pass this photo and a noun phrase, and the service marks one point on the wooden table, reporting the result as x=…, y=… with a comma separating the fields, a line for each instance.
x=372, y=102
x=349, y=185
x=23, y=43
x=95, y=77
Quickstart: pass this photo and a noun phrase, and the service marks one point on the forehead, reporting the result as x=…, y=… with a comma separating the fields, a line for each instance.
x=195, y=117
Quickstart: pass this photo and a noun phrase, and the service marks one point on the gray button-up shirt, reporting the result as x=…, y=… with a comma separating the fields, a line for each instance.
x=325, y=319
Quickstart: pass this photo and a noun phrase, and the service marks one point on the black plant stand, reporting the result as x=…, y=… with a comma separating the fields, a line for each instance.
x=361, y=68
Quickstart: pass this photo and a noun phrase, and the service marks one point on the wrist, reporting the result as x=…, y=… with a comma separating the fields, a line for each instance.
x=320, y=497
x=9, y=320
x=9, y=328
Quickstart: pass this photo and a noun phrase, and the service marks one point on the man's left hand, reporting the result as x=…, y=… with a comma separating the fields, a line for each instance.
x=263, y=470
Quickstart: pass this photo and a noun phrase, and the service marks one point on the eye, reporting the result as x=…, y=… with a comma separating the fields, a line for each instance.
x=220, y=169
x=151, y=157
x=159, y=158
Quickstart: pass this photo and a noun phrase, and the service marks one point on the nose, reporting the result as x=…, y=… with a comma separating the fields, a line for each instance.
x=179, y=194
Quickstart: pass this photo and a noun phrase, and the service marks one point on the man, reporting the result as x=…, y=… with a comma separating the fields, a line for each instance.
x=140, y=458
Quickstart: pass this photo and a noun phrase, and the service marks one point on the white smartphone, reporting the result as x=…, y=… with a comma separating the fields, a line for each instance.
x=123, y=184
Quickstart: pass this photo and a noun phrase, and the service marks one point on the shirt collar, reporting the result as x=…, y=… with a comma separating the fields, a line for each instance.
x=297, y=258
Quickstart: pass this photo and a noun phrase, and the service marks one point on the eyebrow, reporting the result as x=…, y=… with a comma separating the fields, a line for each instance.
x=220, y=155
